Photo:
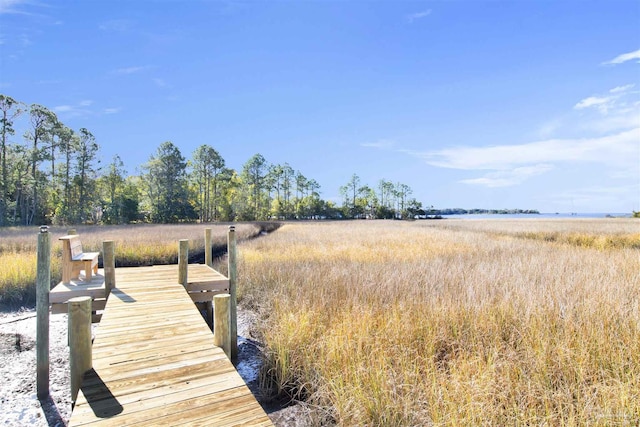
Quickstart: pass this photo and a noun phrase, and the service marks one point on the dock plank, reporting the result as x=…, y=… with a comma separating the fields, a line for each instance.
x=154, y=362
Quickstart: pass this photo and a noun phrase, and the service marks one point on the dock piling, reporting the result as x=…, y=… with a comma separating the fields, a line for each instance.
x=43, y=285
x=183, y=261
x=233, y=278
x=80, y=358
x=109, y=263
x=221, y=332
x=207, y=247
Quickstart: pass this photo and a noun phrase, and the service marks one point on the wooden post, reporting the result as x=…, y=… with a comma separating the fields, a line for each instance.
x=207, y=247
x=208, y=305
x=183, y=261
x=221, y=332
x=109, y=264
x=233, y=275
x=43, y=285
x=80, y=357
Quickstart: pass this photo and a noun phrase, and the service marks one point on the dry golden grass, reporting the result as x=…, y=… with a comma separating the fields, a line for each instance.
x=451, y=322
x=134, y=245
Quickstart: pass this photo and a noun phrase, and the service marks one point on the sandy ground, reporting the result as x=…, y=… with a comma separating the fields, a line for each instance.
x=19, y=404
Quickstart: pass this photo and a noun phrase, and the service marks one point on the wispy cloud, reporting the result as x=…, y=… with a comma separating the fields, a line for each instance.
x=622, y=89
x=507, y=178
x=116, y=25
x=610, y=149
x=76, y=110
x=84, y=108
x=624, y=58
x=25, y=40
x=13, y=7
x=594, y=101
x=381, y=144
x=548, y=128
x=411, y=18
x=606, y=102
x=49, y=82
x=161, y=83
x=62, y=108
x=130, y=70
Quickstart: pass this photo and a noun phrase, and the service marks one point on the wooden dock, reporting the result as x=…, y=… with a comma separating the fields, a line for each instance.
x=154, y=362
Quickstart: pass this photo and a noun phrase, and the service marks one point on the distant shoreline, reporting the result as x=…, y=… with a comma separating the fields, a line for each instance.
x=460, y=211
x=541, y=215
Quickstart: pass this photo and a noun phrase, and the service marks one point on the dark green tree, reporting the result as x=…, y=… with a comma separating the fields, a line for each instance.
x=253, y=177
x=166, y=186
x=86, y=175
x=208, y=174
x=10, y=109
x=112, y=185
x=43, y=123
x=356, y=198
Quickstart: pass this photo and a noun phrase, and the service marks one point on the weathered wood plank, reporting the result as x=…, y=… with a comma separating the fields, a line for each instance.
x=63, y=292
x=208, y=285
x=62, y=307
x=205, y=296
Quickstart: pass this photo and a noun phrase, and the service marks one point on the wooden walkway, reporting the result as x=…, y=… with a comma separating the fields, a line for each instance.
x=154, y=362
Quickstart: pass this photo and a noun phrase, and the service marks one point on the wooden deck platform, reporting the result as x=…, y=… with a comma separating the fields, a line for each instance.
x=202, y=284
x=154, y=362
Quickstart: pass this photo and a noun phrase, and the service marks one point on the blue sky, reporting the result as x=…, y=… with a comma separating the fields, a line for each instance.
x=488, y=104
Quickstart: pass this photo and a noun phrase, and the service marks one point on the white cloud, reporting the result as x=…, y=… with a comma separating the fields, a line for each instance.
x=130, y=70
x=610, y=149
x=77, y=110
x=624, y=58
x=620, y=119
x=12, y=7
x=593, y=101
x=116, y=25
x=382, y=144
x=112, y=110
x=418, y=15
x=62, y=108
x=613, y=102
x=160, y=82
x=25, y=41
x=549, y=128
x=509, y=177
x=624, y=88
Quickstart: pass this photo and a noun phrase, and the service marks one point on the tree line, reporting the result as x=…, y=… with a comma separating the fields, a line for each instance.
x=387, y=200
x=53, y=175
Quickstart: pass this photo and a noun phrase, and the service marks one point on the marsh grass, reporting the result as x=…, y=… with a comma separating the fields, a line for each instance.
x=450, y=323
x=135, y=245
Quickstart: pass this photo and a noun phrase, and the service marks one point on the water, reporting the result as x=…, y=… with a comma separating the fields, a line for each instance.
x=539, y=216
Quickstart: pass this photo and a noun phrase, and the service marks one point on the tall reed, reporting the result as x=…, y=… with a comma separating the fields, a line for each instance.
x=449, y=323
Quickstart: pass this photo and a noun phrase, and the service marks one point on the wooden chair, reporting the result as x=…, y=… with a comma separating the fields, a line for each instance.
x=74, y=259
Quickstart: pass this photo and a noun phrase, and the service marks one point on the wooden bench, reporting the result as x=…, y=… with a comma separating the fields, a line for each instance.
x=74, y=259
